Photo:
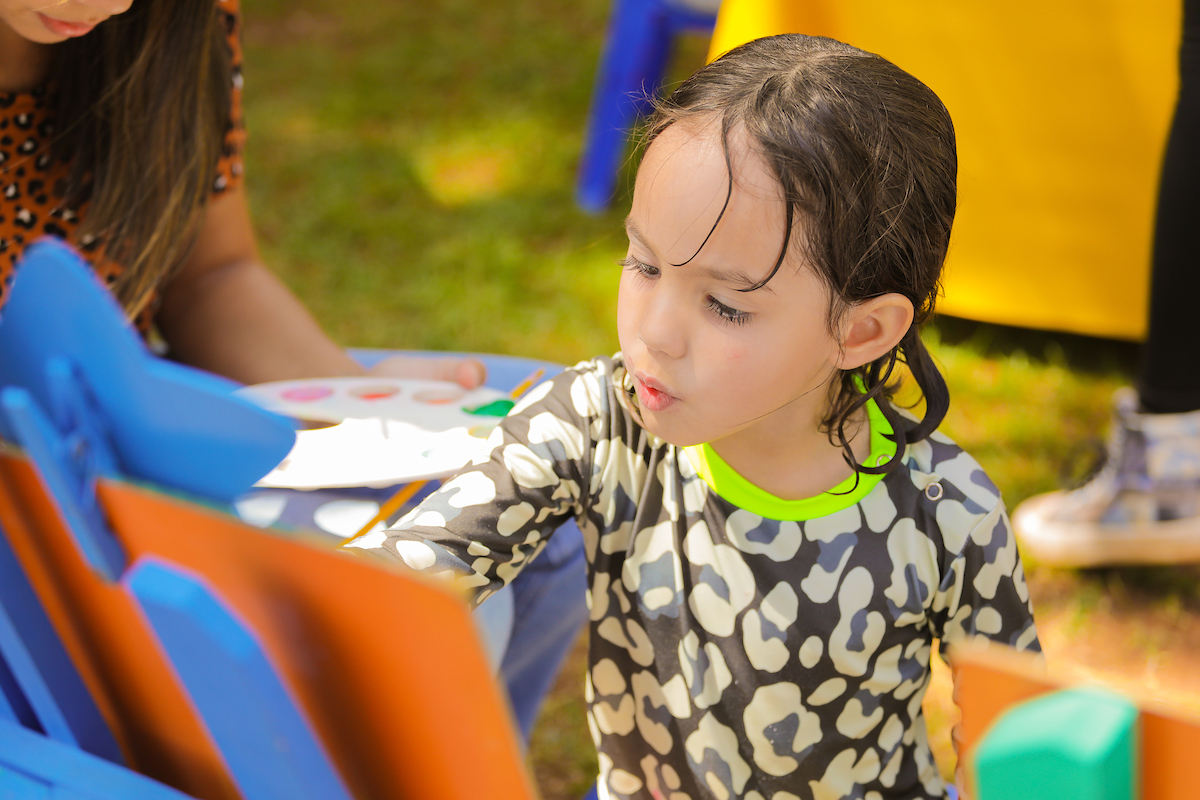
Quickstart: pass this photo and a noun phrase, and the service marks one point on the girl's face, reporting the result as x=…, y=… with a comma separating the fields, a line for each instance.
x=51, y=21
x=709, y=362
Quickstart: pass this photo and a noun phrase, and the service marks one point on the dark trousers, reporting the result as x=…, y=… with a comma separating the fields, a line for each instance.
x=1170, y=362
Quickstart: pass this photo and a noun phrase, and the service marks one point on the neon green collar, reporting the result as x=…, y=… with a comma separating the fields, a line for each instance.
x=739, y=491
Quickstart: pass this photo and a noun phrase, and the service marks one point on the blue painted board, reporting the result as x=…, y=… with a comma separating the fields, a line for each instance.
x=33, y=767
x=64, y=465
x=43, y=690
x=168, y=423
x=269, y=746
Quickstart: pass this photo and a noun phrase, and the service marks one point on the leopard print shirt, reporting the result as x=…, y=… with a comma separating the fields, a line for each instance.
x=32, y=183
x=733, y=655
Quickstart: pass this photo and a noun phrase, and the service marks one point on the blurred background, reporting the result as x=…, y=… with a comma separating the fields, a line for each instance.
x=411, y=169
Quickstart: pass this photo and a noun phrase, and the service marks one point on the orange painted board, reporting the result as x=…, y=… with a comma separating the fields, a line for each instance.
x=989, y=680
x=386, y=664
x=116, y=654
x=1170, y=754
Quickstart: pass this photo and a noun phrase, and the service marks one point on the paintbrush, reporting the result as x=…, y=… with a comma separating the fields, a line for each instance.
x=408, y=490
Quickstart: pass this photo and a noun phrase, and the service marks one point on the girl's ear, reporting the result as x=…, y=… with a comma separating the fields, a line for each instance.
x=872, y=328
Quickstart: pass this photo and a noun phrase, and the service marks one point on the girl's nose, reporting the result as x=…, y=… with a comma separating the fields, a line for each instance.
x=661, y=328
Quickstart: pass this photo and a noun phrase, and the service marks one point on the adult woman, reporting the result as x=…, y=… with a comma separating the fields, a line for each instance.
x=120, y=131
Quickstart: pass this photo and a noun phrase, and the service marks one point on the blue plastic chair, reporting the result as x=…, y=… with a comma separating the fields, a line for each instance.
x=84, y=398
x=33, y=766
x=640, y=38
x=270, y=747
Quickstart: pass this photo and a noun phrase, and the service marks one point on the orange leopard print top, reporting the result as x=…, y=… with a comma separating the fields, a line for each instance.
x=32, y=183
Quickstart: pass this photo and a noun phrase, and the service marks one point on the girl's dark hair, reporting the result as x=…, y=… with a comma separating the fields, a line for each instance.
x=866, y=158
x=141, y=106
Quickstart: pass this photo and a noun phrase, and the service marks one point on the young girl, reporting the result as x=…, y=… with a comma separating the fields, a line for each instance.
x=773, y=546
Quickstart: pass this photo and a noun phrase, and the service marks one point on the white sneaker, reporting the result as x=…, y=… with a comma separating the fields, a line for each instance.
x=1143, y=507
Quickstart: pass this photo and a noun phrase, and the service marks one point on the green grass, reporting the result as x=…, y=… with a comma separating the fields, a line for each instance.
x=411, y=168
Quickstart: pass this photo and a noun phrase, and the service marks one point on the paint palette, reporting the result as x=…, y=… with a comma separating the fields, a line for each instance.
x=377, y=431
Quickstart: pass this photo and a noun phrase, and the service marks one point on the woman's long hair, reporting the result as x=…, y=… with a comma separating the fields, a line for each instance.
x=141, y=106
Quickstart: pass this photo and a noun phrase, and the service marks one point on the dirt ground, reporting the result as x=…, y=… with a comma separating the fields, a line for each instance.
x=1137, y=631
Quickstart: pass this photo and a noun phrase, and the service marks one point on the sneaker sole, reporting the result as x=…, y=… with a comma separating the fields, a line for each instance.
x=1090, y=544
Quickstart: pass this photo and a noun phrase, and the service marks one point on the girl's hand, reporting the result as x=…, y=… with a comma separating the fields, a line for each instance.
x=468, y=373
x=956, y=738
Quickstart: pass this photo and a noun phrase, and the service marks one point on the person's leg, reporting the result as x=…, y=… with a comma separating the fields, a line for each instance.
x=1144, y=505
x=1170, y=362
x=549, y=612
x=494, y=621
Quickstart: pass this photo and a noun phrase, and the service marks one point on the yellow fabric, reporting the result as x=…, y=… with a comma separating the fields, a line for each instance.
x=1061, y=111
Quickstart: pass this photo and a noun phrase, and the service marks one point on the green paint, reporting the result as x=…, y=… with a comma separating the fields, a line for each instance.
x=496, y=408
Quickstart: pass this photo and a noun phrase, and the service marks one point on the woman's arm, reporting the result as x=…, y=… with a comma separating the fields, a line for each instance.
x=225, y=312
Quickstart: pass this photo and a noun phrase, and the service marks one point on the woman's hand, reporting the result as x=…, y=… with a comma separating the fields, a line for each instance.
x=468, y=373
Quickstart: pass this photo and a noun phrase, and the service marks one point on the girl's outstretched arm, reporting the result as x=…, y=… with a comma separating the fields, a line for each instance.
x=225, y=312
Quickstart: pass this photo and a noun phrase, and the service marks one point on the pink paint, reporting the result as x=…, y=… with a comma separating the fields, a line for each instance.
x=306, y=394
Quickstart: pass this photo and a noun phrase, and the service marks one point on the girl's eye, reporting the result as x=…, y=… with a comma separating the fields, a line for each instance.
x=643, y=269
x=726, y=313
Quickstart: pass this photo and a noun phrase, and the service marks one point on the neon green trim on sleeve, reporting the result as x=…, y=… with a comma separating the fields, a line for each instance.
x=739, y=491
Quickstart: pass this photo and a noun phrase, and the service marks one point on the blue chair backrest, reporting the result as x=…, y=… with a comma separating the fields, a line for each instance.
x=167, y=423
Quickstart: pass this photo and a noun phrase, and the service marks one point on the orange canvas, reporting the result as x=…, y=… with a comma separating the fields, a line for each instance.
x=385, y=664
x=990, y=680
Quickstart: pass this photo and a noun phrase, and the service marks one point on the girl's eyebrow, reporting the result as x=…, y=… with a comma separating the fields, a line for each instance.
x=633, y=231
x=734, y=277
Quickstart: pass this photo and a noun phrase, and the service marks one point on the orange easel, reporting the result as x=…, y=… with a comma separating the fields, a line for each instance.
x=386, y=664
x=990, y=680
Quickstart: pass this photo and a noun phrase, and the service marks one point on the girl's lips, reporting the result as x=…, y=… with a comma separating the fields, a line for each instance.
x=69, y=29
x=652, y=395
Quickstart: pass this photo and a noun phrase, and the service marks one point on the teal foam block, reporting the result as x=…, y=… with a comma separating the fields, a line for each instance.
x=1073, y=744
